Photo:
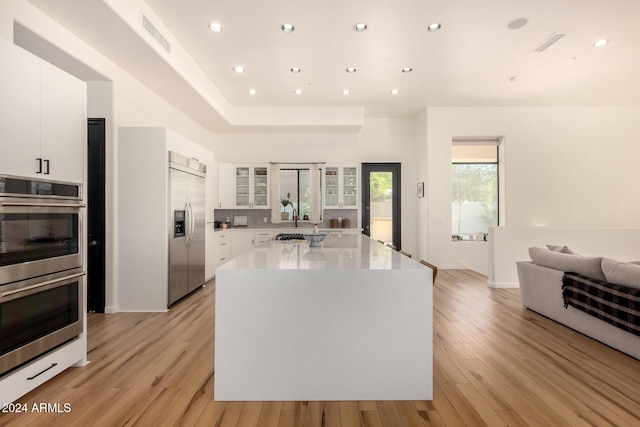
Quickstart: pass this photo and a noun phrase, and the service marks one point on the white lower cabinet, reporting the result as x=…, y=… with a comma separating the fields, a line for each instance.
x=241, y=241
x=20, y=382
x=222, y=248
x=262, y=236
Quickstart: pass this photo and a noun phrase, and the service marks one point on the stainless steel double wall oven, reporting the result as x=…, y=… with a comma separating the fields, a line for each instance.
x=41, y=268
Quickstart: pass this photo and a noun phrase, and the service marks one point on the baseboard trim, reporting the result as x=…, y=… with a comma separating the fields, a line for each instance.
x=503, y=285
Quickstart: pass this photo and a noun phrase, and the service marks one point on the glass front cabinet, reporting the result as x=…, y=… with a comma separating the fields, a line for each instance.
x=251, y=187
x=341, y=187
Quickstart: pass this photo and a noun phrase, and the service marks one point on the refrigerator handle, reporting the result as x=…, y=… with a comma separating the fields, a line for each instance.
x=187, y=210
x=192, y=223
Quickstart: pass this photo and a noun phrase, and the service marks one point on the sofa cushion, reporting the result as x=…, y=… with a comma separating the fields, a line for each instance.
x=621, y=273
x=560, y=248
x=585, y=265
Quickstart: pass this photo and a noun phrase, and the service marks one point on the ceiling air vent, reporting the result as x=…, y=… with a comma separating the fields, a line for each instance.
x=548, y=42
x=151, y=29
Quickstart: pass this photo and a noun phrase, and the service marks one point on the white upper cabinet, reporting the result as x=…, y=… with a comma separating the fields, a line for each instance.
x=19, y=110
x=341, y=187
x=225, y=187
x=251, y=187
x=63, y=124
x=260, y=179
x=43, y=118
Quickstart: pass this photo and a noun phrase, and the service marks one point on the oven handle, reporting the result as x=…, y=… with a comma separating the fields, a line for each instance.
x=40, y=285
x=44, y=205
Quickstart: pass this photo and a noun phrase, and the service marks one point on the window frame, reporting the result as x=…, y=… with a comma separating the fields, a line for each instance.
x=499, y=171
x=297, y=198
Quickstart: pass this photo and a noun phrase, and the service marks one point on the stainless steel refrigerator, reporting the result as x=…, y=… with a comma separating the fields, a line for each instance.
x=186, y=225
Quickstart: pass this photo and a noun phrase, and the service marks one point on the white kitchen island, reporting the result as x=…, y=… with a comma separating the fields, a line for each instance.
x=352, y=320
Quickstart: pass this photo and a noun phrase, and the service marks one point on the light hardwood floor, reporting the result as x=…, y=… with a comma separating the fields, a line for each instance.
x=495, y=364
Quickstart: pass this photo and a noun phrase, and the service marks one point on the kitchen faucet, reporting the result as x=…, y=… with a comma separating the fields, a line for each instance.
x=295, y=216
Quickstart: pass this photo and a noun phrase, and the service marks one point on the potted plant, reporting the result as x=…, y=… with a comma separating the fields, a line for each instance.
x=285, y=202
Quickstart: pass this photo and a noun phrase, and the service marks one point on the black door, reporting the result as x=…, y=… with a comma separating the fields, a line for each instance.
x=381, y=202
x=96, y=216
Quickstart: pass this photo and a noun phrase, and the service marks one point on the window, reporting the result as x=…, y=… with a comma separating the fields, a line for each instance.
x=295, y=187
x=474, y=188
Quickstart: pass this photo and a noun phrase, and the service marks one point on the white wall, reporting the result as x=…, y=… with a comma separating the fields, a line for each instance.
x=565, y=167
x=511, y=244
x=381, y=140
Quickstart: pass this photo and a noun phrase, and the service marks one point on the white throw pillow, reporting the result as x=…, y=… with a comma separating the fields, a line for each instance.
x=585, y=265
x=621, y=273
x=560, y=248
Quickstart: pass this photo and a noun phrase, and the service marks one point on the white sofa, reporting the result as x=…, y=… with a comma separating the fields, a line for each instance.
x=541, y=291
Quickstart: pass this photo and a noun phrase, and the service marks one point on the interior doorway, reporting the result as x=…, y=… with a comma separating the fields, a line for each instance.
x=381, y=202
x=96, y=215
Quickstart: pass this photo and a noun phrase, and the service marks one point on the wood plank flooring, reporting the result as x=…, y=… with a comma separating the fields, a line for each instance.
x=495, y=364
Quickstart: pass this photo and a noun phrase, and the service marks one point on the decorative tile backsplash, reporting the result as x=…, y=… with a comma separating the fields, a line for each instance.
x=255, y=218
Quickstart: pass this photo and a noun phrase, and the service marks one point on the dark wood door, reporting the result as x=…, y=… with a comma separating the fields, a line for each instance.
x=381, y=202
x=96, y=216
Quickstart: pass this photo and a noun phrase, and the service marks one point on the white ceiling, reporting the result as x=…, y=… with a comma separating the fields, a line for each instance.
x=474, y=60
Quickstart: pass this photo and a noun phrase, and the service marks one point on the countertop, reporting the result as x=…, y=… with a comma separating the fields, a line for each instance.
x=346, y=252
x=292, y=229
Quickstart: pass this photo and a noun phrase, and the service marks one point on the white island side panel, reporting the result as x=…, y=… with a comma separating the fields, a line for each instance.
x=326, y=334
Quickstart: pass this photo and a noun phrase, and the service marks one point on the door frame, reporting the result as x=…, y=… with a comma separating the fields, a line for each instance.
x=396, y=169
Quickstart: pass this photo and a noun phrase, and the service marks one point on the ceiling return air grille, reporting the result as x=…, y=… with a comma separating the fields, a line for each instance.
x=157, y=36
x=548, y=42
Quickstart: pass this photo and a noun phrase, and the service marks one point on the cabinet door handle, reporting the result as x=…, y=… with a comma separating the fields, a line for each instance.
x=222, y=244
x=46, y=164
x=39, y=166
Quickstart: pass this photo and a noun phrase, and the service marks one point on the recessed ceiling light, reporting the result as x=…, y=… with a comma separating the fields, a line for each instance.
x=434, y=27
x=346, y=92
x=252, y=92
x=394, y=91
x=295, y=69
x=517, y=23
x=360, y=26
x=238, y=69
x=407, y=69
x=601, y=43
x=351, y=69
x=215, y=27
x=298, y=91
x=287, y=28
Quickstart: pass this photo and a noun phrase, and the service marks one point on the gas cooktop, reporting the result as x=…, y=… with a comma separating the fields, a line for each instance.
x=289, y=236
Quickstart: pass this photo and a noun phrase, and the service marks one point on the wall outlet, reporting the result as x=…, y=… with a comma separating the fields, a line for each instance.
x=265, y=219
